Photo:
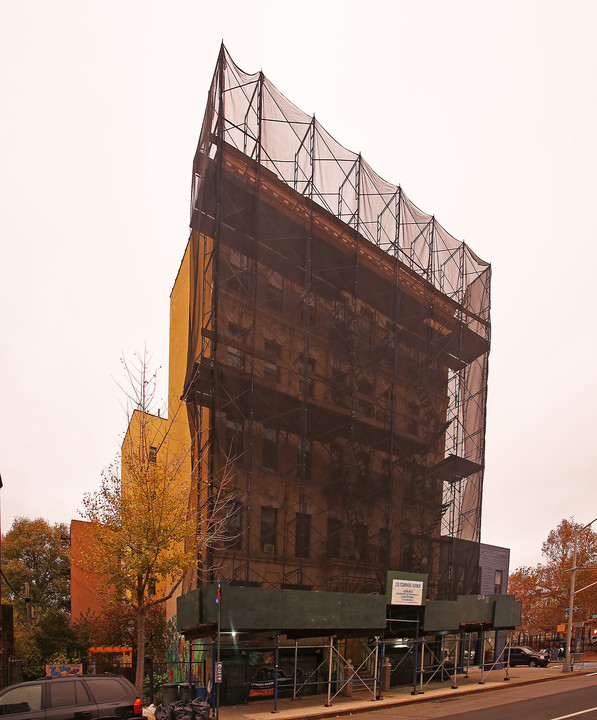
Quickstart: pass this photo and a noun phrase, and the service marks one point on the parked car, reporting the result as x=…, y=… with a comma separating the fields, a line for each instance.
x=522, y=655
x=83, y=697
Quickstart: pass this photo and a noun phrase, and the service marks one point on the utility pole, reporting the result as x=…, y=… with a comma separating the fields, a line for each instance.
x=567, y=666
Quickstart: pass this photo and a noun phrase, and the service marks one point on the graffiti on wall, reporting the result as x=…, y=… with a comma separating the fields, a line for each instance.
x=186, y=659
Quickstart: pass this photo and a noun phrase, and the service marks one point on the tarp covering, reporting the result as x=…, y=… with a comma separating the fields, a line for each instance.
x=338, y=351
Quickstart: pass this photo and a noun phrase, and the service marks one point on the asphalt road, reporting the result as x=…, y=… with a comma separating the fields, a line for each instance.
x=574, y=697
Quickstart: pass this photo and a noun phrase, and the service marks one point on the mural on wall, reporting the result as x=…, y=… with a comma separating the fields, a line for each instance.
x=186, y=660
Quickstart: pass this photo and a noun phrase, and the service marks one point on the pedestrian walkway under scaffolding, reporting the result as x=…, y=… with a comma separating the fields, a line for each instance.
x=315, y=706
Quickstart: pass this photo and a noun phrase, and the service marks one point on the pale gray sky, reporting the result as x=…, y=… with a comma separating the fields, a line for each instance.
x=484, y=111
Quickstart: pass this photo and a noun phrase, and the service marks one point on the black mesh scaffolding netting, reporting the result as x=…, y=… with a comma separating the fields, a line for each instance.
x=337, y=366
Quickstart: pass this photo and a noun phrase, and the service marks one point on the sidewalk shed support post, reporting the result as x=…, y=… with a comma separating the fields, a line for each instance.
x=331, y=660
x=276, y=666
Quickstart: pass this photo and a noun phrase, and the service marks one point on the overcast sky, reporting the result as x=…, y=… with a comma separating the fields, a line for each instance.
x=484, y=111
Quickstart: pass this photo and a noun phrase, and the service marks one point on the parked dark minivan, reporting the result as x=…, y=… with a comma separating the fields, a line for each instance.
x=105, y=697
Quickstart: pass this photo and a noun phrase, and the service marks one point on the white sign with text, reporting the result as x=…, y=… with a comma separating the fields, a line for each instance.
x=407, y=592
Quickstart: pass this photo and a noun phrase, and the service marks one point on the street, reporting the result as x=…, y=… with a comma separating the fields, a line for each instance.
x=555, y=700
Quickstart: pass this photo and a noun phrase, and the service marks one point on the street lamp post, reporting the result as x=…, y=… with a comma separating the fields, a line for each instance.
x=567, y=667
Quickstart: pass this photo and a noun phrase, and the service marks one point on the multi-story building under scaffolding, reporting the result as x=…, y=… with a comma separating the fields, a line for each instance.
x=338, y=340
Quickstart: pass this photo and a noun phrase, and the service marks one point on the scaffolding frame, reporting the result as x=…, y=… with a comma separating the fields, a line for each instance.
x=292, y=233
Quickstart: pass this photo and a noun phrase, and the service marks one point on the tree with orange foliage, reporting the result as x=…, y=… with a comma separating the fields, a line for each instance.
x=544, y=589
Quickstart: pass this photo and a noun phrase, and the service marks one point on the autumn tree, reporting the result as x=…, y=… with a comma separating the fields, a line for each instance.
x=37, y=553
x=36, y=569
x=146, y=518
x=544, y=590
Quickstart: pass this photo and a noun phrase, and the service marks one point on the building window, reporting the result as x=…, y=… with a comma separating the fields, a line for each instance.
x=361, y=538
x=240, y=281
x=406, y=553
x=153, y=454
x=271, y=371
x=239, y=278
x=364, y=385
x=497, y=583
x=234, y=444
x=307, y=365
x=238, y=261
x=384, y=414
x=238, y=332
x=364, y=322
x=306, y=386
x=333, y=544
x=412, y=423
x=384, y=547
x=274, y=293
x=236, y=358
x=269, y=521
x=308, y=313
x=338, y=389
x=273, y=348
x=363, y=465
x=366, y=408
x=336, y=462
x=234, y=526
x=302, y=539
x=269, y=451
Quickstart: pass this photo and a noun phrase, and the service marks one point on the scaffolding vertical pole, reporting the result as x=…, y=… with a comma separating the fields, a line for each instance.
x=214, y=302
x=276, y=668
x=456, y=655
x=416, y=654
x=295, y=667
x=331, y=658
x=393, y=392
x=482, y=663
x=375, y=678
x=254, y=266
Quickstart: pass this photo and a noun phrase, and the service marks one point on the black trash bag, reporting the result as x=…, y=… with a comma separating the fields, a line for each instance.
x=201, y=709
x=164, y=711
x=182, y=710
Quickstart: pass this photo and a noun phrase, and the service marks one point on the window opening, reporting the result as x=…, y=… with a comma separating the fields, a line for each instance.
x=234, y=446
x=269, y=458
x=269, y=521
x=302, y=539
x=334, y=538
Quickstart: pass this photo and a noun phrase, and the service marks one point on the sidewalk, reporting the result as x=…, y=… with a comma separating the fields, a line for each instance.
x=314, y=706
